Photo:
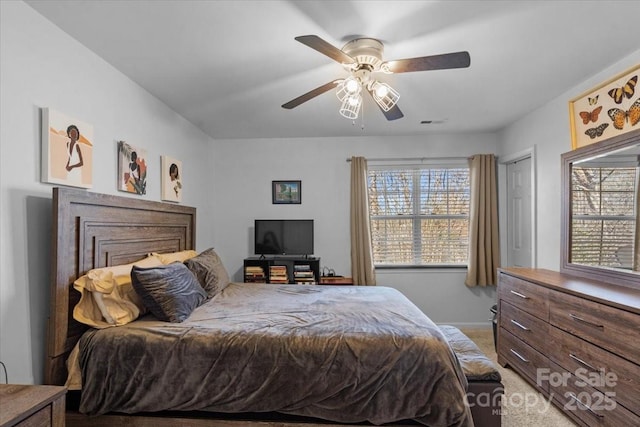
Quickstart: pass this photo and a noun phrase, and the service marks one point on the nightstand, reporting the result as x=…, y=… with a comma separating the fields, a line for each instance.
x=32, y=405
x=336, y=280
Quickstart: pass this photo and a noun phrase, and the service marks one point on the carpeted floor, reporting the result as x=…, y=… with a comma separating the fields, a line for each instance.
x=522, y=405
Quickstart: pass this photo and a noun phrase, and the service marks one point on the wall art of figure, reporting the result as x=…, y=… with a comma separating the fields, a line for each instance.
x=171, y=179
x=67, y=150
x=132, y=168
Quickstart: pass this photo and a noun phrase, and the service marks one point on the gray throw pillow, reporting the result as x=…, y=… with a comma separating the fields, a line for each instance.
x=170, y=292
x=210, y=271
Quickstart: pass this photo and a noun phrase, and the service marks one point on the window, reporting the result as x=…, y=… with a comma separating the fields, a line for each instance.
x=419, y=215
x=603, y=218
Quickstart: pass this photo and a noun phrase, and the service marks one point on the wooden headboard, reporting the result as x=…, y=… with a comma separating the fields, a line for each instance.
x=92, y=230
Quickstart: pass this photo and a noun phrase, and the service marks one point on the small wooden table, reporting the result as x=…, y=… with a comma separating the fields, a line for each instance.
x=336, y=280
x=32, y=405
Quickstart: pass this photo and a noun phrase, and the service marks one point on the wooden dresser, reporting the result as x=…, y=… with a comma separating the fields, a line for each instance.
x=32, y=405
x=575, y=340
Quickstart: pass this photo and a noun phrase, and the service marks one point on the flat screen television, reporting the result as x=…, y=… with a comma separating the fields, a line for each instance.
x=284, y=237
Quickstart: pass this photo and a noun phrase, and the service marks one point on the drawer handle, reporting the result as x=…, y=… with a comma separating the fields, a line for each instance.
x=580, y=319
x=519, y=295
x=582, y=362
x=518, y=355
x=519, y=325
x=578, y=401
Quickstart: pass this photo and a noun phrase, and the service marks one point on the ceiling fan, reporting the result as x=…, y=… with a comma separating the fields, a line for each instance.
x=362, y=58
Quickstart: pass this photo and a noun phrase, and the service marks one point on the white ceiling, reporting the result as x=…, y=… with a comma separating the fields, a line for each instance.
x=228, y=66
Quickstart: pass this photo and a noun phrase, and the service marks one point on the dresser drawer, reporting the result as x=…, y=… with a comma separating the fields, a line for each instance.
x=608, y=327
x=599, y=368
x=591, y=406
x=526, y=327
x=522, y=357
x=524, y=295
x=42, y=418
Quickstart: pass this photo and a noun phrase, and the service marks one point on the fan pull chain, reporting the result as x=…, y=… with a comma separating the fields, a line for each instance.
x=353, y=122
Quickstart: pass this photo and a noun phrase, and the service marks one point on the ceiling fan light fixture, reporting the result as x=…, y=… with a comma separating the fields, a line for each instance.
x=350, y=107
x=384, y=95
x=352, y=86
x=381, y=90
x=348, y=87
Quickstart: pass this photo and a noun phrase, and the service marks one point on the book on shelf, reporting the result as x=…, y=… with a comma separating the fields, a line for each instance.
x=278, y=274
x=278, y=269
x=254, y=274
x=303, y=275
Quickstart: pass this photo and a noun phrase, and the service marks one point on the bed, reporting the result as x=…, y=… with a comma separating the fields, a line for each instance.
x=325, y=371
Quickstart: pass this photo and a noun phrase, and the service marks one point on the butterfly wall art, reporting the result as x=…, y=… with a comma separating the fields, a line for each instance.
x=597, y=131
x=619, y=93
x=590, y=116
x=610, y=109
x=621, y=117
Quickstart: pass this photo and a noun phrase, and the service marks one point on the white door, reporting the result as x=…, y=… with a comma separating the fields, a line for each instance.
x=519, y=213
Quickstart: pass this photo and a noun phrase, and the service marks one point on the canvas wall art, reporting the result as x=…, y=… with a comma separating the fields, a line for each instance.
x=132, y=168
x=171, y=179
x=67, y=150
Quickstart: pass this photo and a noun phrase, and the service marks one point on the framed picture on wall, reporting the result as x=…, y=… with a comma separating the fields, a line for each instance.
x=610, y=109
x=67, y=150
x=171, y=179
x=132, y=168
x=286, y=192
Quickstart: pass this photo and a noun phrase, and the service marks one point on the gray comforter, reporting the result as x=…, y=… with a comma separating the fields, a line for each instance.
x=340, y=353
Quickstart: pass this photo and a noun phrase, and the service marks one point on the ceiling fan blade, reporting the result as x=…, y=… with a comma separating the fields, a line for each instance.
x=435, y=62
x=326, y=48
x=311, y=94
x=394, y=113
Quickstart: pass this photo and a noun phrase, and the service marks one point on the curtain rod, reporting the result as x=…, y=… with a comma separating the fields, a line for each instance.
x=409, y=159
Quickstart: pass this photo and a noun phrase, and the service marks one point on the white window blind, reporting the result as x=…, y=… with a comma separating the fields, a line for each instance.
x=419, y=215
x=603, y=216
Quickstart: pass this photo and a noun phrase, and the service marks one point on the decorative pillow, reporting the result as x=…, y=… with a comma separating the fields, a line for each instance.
x=210, y=271
x=170, y=292
x=180, y=256
x=107, y=297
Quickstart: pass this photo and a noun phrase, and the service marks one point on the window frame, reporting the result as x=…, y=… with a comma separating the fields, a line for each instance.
x=416, y=216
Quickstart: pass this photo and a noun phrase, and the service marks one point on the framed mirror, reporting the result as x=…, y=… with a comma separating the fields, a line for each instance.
x=600, y=207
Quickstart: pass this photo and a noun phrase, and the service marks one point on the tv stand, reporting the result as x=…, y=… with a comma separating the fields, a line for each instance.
x=282, y=269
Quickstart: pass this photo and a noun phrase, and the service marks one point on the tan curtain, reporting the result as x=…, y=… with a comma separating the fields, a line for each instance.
x=362, y=270
x=484, y=246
